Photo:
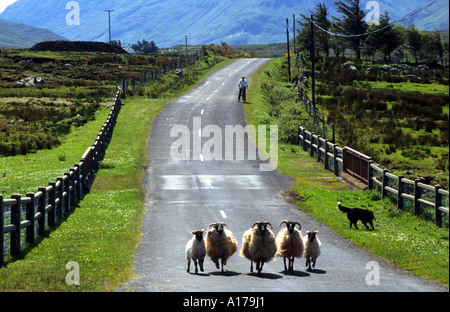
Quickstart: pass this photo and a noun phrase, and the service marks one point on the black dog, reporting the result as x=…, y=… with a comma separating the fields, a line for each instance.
x=355, y=214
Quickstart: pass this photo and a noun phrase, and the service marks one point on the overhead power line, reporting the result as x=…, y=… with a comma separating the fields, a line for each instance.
x=377, y=30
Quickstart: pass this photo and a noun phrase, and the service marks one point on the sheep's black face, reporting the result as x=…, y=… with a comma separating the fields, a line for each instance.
x=311, y=236
x=262, y=227
x=198, y=235
x=219, y=228
x=290, y=227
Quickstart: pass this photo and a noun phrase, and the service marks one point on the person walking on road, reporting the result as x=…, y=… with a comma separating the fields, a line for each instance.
x=243, y=85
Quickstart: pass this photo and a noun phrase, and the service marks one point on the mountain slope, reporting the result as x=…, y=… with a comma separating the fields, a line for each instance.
x=167, y=21
x=17, y=35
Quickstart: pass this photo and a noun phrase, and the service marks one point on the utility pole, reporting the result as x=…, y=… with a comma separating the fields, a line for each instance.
x=313, y=70
x=288, y=54
x=109, y=23
x=186, y=38
x=293, y=25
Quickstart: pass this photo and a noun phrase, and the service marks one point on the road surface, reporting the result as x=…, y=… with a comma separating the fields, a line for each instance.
x=189, y=194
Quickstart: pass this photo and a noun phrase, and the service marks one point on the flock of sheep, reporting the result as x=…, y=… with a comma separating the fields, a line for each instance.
x=259, y=245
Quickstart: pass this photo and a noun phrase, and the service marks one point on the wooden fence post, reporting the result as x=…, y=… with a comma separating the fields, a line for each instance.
x=399, y=193
x=41, y=209
x=318, y=148
x=66, y=190
x=15, y=220
x=30, y=231
x=370, y=175
x=335, y=161
x=325, y=155
x=59, y=195
x=416, y=198
x=344, y=159
x=305, y=148
x=437, y=204
x=384, y=180
x=311, y=148
x=2, y=223
x=73, y=193
x=52, y=201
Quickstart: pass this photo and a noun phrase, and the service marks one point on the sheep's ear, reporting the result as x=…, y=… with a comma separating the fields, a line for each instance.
x=193, y=232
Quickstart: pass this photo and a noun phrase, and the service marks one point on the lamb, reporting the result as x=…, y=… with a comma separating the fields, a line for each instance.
x=355, y=214
x=220, y=243
x=289, y=243
x=258, y=245
x=195, y=250
x=312, y=248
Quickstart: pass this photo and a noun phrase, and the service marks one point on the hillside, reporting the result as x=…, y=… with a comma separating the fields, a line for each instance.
x=17, y=35
x=166, y=22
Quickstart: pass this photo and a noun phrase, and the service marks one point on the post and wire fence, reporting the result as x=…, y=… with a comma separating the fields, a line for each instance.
x=409, y=194
x=23, y=218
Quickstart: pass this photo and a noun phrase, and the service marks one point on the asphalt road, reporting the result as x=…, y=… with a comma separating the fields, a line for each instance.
x=185, y=195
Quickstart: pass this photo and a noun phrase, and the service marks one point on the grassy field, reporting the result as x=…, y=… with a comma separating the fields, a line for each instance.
x=413, y=243
x=76, y=84
x=397, y=115
x=102, y=233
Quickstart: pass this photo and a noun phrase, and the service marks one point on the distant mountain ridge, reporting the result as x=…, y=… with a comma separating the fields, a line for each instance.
x=18, y=35
x=166, y=22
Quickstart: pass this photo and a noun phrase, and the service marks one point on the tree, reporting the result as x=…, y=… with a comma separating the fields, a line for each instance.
x=116, y=43
x=145, y=47
x=432, y=49
x=414, y=41
x=337, y=43
x=303, y=38
x=352, y=24
x=322, y=38
x=385, y=38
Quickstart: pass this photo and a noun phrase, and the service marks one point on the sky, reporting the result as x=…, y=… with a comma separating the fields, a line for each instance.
x=5, y=3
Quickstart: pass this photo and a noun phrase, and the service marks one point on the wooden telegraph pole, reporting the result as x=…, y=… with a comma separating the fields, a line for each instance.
x=293, y=25
x=313, y=70
x=288, y=55
x=186, y=38
x=109, y=23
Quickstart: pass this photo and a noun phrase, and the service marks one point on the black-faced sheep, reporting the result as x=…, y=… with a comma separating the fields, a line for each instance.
x=220, y=243
x=289, y=243
x=258, y=245
x=355, y=214
x=312, y=250
x=195, y=250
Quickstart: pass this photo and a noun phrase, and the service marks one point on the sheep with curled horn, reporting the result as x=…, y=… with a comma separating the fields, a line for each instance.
x=220, y=243
x=289, y=243
x=258, y=245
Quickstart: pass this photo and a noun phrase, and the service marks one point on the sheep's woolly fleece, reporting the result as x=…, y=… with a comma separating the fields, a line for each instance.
x=220, y=246
x=289, y=245
x=258, y=248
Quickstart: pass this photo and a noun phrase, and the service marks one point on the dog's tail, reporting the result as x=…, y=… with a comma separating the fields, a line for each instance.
x=342, y=208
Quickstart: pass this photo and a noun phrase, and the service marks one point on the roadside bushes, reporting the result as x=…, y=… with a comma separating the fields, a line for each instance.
x=36, y=125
